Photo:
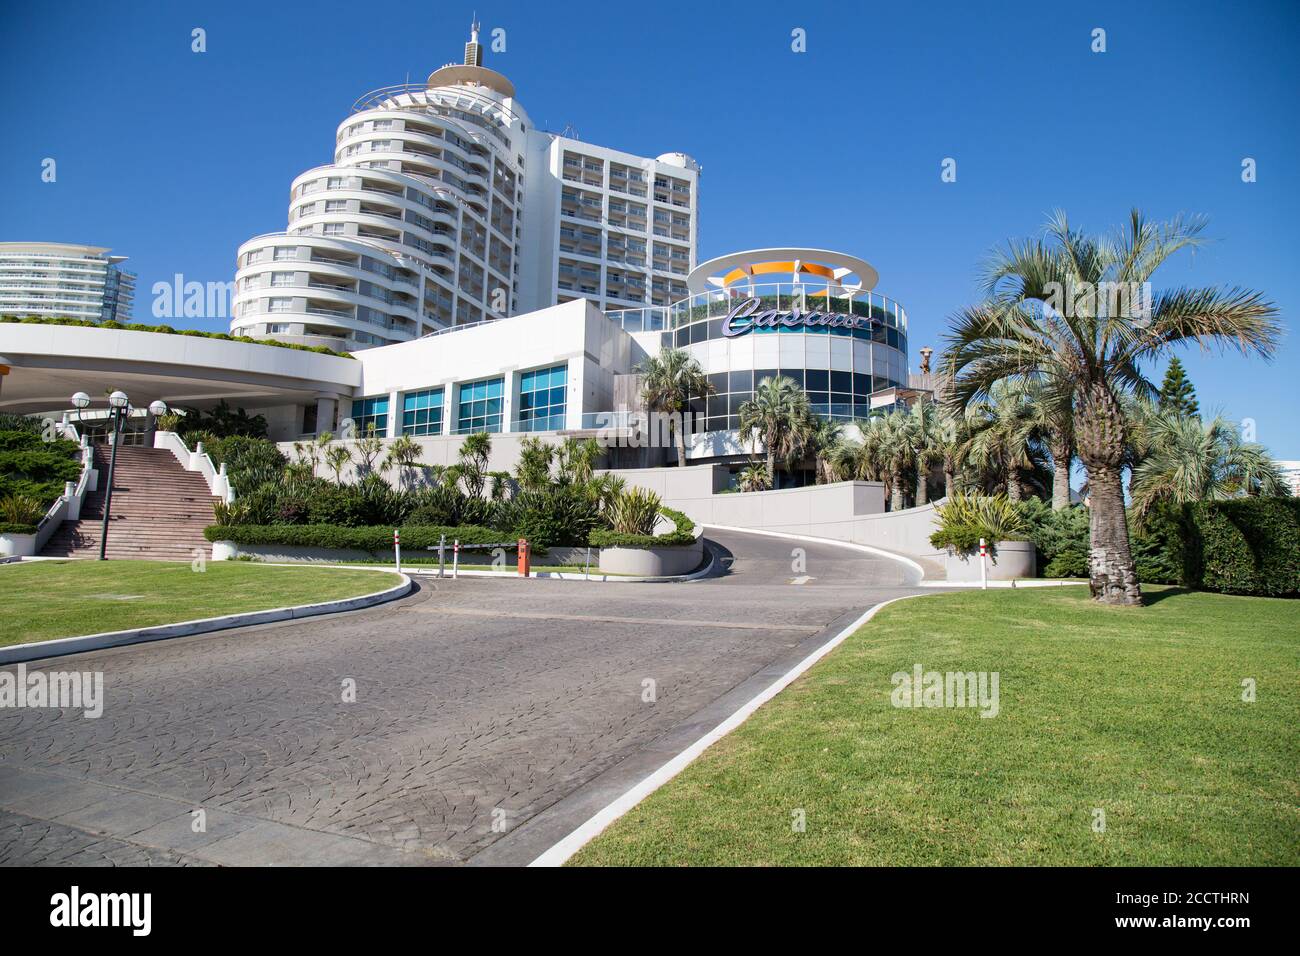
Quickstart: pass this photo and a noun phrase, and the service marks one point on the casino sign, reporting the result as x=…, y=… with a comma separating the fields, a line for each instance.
x=745, y=317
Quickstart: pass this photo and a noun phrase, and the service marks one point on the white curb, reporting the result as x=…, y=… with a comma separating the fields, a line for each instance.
x=59, y=647
x=571, y=844
x=866, y=548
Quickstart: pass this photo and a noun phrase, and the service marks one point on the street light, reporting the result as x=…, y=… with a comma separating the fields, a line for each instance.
x=119, y=411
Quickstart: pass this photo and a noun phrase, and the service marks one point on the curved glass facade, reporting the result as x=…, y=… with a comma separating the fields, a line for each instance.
x=839, y=347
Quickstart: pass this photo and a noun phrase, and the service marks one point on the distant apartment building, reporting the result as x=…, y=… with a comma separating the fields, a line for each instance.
x=1291, y=475
x=445, y=206
x=63, y=279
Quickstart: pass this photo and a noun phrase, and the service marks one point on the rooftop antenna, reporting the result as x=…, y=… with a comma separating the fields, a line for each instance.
x=473, y=51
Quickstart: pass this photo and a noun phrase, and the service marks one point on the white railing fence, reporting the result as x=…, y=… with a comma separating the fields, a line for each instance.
x=197, y=460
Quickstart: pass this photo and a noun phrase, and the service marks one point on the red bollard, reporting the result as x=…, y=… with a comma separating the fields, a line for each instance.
x=523, y=557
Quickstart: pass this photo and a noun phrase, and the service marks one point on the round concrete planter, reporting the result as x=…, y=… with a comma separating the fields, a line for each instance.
x=1007, y=560
x=17, y=545
x=653, y=562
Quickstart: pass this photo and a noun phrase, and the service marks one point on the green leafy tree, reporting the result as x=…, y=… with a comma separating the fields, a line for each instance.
x=1050, y=310
x=670, y=379
x=1176, y=392
x=471, y=470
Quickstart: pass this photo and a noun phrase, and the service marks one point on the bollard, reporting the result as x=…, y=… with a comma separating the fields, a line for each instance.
x=442, y=554
x=523, y=557
x=984, y=550
x=455, y=558
x=397, y=549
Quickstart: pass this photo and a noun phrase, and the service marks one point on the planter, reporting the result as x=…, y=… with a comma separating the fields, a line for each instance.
x=653, y=562
x=1007, y=560
x=17, y=545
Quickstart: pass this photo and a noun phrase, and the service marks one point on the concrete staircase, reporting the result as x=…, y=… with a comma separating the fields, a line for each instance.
x=159, y=510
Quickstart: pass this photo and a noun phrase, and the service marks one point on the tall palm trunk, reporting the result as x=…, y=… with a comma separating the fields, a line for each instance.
x=896, y=493
x=680, y=433
x=1014, y=491
x=921, y=491
x=1099, y=428
x=771, y=466
x=948, y=479
x=1062, y=455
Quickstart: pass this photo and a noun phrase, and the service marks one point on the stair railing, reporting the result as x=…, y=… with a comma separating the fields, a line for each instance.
x=68, y=505
x=197, y=460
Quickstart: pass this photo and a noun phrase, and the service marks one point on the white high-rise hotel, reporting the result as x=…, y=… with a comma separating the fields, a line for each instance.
x=445, y=206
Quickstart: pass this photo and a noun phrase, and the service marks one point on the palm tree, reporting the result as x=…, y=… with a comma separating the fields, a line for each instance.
x=671, y=379
x=533, y=469
x=926, y=446
x=1052, y=412
x=950, y=439
x=404, y=454
x=780, y=416
x=754, y=477
x=825, y=438
x=1055, y=308
x=887, y=452
x=1003, y=438
x=1191, y=460
x=338, y=457
x=475, y=451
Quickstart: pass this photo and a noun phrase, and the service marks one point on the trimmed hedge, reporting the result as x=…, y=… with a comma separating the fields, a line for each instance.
x=167, y=330
x=680, y=536
x=8, y=527
x=1244, y=546
x=371, y=539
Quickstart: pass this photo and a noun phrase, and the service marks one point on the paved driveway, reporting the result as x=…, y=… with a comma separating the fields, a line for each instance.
x=490, y=717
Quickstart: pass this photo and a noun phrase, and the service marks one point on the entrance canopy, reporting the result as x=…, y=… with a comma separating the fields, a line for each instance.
x=41, y=366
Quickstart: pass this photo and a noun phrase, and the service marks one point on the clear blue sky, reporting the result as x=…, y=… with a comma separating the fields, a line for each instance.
x=174, y=158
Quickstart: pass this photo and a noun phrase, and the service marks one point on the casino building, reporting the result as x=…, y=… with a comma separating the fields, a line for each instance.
x=570, y=369
x=445, y=205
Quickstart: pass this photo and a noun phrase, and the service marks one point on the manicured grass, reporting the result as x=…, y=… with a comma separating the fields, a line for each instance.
x=42, y=600
x=1137, y=712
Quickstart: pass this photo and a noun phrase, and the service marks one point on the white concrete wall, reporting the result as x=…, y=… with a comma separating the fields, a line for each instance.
x=851, y=511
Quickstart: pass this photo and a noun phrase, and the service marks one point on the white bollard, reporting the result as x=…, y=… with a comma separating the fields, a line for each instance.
x=984, y=572
x=397, y=549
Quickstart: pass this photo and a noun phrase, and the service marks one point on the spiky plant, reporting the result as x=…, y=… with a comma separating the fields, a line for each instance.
x=635, y=511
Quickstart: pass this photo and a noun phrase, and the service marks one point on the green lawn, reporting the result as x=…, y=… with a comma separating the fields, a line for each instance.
x=41, y=600
x=1137, y=712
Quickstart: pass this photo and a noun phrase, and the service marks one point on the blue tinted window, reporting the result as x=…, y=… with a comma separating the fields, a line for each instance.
x=370, y=411
x=542, y=399
x=422, y=412
x=479, y=406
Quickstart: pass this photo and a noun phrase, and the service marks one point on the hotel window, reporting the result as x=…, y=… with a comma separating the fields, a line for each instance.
x=479, y=406
x=282, y=278
x=370, y=411
x=422, y=412
x=279, y=305
x=541, y=399
x=282, y=254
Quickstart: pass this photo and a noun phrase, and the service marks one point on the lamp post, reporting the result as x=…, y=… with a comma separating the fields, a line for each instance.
x=119, y=411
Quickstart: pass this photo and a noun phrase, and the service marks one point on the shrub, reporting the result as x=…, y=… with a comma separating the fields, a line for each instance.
x=21, y=510
x=168, y=330
x=250, y=462
x=1243, y=546
x=562, y=515
x=635, y=511
x=32, y=468
x=372, y=539
x=682, y=534
x=967, y=518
